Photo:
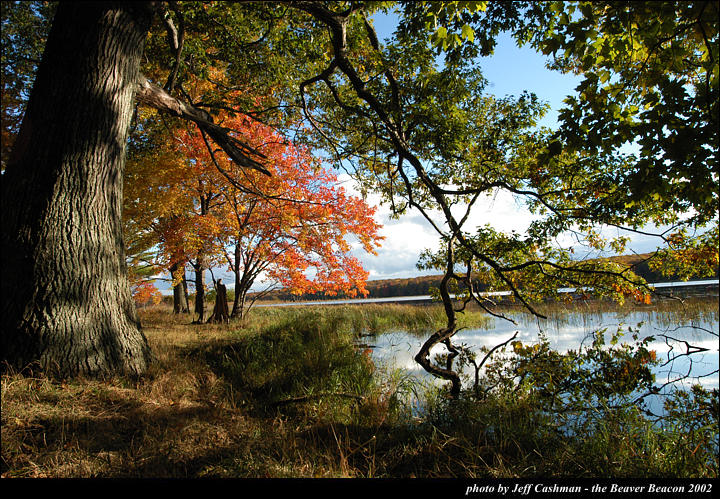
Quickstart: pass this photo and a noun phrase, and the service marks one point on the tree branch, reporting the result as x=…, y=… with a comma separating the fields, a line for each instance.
x=176, y=39
x=149, y=94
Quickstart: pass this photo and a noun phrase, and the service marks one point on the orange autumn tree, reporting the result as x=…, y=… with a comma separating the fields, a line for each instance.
x=169, y=206
x=173, y=200
x=153, y=204
x=145, y=293
x=197, y=208
x=295, y=228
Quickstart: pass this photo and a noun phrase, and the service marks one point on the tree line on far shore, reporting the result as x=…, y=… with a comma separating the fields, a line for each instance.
x=640, y=264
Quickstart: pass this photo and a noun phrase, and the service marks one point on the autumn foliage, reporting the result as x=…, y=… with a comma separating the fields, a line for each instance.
x=293, y=225
x=296, y=228
x=145, y=293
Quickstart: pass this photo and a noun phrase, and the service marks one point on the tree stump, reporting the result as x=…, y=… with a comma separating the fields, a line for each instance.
x=220, y=311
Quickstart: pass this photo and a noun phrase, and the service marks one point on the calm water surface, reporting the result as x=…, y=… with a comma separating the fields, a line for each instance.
x=566, y=331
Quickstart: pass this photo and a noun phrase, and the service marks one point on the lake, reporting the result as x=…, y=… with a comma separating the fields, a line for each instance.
x=673, y=330
x=663, y=287
x=673, y=327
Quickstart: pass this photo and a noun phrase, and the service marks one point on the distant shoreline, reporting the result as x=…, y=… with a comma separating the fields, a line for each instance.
x=672, y=286
x=420, y=285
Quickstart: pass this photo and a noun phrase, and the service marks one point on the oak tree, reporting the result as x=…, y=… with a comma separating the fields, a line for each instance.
x=65, y=298
x=66, y=304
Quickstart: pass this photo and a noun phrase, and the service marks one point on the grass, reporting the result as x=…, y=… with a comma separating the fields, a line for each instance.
x=376, y=319
x=288, y=394
x=664, y=311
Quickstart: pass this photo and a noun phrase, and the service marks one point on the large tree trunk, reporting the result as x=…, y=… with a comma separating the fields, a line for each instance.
x=66, y=304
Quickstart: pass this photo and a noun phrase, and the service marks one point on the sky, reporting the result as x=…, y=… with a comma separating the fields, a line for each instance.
x=509, y=71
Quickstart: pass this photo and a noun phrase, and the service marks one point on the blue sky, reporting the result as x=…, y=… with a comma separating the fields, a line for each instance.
x=512, y=70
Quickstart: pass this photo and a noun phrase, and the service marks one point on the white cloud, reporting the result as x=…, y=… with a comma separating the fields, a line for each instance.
x=407, y=237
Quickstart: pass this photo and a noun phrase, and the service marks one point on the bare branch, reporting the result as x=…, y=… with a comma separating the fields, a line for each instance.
x=176, y=39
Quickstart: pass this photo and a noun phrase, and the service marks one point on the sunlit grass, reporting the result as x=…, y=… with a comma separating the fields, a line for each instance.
x=372, y=319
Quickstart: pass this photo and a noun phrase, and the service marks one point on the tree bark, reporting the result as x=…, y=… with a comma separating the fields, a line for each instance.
x=185, y=292
x=66, y=305
x=239, y=300
x=443, y=335
x=220, y=311
x=180, y=304
x=200, y=290
x=238, y=311
x=151, y=95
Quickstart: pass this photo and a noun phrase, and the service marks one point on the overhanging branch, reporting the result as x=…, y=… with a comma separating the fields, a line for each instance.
x=149, y=94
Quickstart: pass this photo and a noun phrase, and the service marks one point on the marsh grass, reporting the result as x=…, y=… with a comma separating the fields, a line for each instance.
x=288, y=393
x=665, y=312
x=373, y=319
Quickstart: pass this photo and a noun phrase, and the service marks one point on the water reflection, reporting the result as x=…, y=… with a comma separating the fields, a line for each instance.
x=568, y=331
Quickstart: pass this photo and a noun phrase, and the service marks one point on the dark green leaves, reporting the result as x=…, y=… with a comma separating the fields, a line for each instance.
x=650, y=83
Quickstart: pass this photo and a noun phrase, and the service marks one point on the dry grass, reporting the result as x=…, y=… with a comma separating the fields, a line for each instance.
x=179, y=420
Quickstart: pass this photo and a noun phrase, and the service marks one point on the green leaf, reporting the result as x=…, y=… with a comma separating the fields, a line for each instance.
x=468, y=33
